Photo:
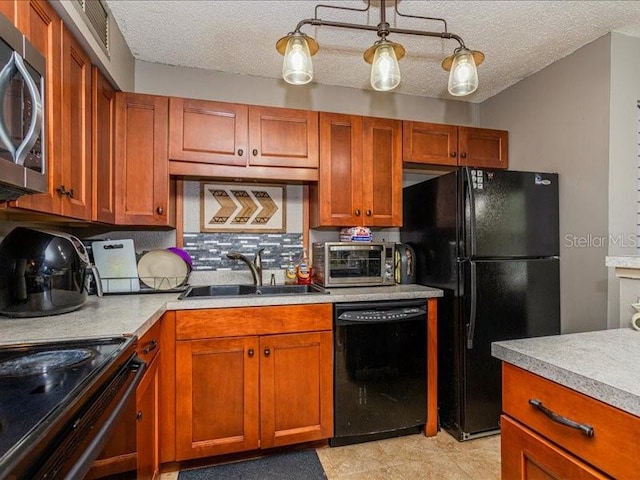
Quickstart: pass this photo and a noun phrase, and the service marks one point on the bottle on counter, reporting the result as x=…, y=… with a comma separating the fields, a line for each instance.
x=291, y=273
x=304, y=269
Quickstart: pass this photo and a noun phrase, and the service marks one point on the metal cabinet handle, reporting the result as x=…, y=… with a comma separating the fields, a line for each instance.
x=255, y=152
x=139, y=416
x=368, y=213
x=454, y=154
x=267, y=352
x=160, y=210
x=250, y=353
x=240, y=152
x=357, y=212
x=153, y=344
x=63, y=191
x=586, y=429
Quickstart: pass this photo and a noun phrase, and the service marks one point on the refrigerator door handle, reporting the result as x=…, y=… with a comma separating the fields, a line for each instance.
x=472, y=212
x=471, y=327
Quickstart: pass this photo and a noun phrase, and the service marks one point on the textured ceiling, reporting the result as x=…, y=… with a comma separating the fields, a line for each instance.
x=518, y=37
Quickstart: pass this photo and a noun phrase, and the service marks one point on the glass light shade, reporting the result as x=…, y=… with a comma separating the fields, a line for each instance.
x=297, y=68
x=385, y=71
x=463, y=77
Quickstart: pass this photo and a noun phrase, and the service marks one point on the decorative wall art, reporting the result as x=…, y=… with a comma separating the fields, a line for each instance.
x=232, y=207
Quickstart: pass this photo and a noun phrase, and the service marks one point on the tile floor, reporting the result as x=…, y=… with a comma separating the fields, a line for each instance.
x=410, y=458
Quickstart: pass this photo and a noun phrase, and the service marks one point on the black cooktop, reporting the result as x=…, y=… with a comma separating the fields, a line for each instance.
x=41, y=383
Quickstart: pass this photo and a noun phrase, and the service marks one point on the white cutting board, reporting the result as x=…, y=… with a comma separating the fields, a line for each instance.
x=116, y=263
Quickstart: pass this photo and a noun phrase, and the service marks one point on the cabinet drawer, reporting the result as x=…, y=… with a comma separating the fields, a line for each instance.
x=616, y=433
x=241, y=321
x=526, y=455
x=149, y=343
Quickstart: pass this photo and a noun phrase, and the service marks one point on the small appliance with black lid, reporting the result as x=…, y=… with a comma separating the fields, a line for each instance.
x=43, y=273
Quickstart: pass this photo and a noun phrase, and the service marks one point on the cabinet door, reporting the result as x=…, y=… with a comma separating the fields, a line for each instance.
x=103, y=107
x=8, y=9
x=76, y=129
x=147, y=439
x=142, y=165
x=337, y=198
x=208, y=132
x=528, y=456
x=481, y=147
x=282, y=137
x=217, y=396
x=296, y=388
x=430, y=143
x=382, y=172
x=42, y=26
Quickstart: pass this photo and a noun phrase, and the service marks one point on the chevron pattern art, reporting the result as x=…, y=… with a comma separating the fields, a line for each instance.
x=242, y=208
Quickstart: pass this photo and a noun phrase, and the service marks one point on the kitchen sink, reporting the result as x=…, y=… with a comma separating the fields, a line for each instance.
x=212, y=291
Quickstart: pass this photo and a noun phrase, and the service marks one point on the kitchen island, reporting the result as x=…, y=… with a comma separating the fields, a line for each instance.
x=571, y=405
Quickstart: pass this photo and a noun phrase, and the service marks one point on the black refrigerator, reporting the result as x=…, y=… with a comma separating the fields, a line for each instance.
x=490, y=240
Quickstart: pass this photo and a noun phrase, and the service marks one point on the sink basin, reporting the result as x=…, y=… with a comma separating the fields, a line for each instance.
x=212, y=291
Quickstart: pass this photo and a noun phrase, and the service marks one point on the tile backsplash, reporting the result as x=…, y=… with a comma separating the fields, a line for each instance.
x=209, y=250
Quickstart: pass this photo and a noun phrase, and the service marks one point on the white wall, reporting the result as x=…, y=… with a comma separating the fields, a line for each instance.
x=558, y=121
x=158, y=79
x=623, y=154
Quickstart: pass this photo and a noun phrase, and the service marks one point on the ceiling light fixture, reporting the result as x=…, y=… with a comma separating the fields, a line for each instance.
x=298, y=48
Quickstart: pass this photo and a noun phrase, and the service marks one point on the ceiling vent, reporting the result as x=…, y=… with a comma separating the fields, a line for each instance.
x=97, y=17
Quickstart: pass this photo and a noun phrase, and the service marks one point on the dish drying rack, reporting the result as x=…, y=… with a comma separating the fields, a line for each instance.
x=135, y=285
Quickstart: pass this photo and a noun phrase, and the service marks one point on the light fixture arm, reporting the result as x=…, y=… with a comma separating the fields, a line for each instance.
x=383, y=28
x=374, y=28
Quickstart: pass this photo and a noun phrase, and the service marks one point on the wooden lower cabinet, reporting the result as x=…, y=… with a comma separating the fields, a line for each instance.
x=536, y=445
x=528, y=456
x=244, y=385
x=134, y=444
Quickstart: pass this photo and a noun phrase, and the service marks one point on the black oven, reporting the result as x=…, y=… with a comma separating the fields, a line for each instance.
x=380, y=374
x=60, y=402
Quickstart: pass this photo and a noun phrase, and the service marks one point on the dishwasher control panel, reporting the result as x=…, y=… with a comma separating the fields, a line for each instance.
x=382, y=315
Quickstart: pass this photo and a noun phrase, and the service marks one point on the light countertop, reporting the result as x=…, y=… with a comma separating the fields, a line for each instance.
x=603, y=365
x=114, y=315
x=628, y=261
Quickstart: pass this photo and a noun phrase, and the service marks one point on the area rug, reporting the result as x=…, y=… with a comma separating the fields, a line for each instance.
x=303, y=465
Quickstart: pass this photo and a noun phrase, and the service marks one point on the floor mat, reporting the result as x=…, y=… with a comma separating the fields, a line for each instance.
x=302, y=465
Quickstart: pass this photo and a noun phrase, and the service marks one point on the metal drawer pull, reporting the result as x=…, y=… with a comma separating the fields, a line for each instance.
x=153, y=344
x=586, y=429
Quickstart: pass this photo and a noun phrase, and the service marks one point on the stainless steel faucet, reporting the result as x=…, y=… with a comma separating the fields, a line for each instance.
x=255, y=266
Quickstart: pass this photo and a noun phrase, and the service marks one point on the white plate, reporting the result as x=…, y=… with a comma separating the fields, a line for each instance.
x=162, y=270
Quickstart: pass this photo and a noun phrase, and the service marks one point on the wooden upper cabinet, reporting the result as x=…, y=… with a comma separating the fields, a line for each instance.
x=217, y=139
x=283, y=137
x=42, y=26
x=103, y=103
x=481, y=147
x=430, y=143
x=360, y=180
x=382, y=172
x=449, y=145
x=75, y=164
x=208, y=132
x=337, y=197
x=142, y=177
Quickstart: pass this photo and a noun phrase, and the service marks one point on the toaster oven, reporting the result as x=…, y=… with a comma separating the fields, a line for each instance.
x=353, y=264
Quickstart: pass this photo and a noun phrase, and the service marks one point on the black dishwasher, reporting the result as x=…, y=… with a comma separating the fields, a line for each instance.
x=379, y=370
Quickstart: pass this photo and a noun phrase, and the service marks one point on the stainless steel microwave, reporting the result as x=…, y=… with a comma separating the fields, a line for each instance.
x=353, y=264
x=22, y=142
